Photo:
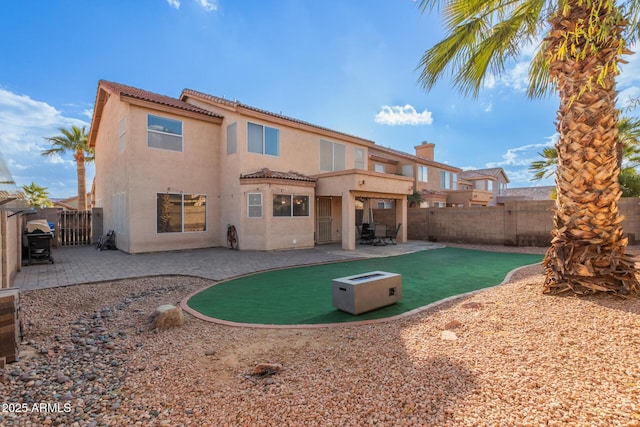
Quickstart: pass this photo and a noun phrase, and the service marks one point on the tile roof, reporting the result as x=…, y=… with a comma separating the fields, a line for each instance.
x=236, y=104
x=480, y=173
x=267, y=173
x=132, y=92
x=531, y=193
x=420, y=159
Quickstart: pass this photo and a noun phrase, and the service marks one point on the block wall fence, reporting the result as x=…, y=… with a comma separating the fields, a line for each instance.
x=516, y=223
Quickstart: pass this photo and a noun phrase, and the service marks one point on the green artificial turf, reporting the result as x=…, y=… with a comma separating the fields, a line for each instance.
x=302, y=295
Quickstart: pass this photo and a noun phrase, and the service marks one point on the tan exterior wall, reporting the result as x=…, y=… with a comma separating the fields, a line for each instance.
x=517, y=223
x=113, y=163
x=129, y=191
x=275, y=233
x=10, y=248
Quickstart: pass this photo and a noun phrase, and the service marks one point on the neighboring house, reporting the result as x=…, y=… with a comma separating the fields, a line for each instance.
x=70, y=203
x=529, y=193
x=172, y=173
x=489, y=183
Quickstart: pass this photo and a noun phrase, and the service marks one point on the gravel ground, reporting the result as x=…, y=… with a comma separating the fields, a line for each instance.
x=505, y=356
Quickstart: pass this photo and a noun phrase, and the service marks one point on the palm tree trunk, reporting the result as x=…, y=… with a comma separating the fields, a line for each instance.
x=82, y=180
x=587, y=252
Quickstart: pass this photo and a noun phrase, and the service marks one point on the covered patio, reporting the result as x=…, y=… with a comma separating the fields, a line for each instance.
x=343, y=188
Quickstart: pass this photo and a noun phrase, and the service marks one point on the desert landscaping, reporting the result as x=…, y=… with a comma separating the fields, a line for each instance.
x=504, y=356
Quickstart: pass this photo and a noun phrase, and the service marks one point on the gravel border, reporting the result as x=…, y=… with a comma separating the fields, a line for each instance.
x=504, y=356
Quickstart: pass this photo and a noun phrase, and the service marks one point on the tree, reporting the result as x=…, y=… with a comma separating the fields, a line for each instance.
x=627, y=152
x=37, y=197
x=578, y=57
x=74, y=140
x=414, y=198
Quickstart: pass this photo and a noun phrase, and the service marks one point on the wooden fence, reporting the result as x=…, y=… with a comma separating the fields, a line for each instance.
x=74, y=228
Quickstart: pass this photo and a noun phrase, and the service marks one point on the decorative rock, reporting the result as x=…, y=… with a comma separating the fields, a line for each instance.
x=472, y=305
x=168, y=316
x=448, y=336
x=210, y=353
x=265, y=369
x=454, y=324
x=62, y=378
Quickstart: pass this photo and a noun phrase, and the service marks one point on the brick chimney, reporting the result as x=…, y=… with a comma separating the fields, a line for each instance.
x=425, y=150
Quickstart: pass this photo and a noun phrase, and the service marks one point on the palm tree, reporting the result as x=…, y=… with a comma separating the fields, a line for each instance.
x=74, y=140
x=414, y=198
x=578, y=57
x=627, y=150
x=37, y=197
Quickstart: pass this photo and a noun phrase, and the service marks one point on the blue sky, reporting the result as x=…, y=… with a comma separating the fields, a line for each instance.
x=348, y=66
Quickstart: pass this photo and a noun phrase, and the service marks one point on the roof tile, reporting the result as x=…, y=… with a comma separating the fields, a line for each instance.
x=267, y=173
x=144, y=95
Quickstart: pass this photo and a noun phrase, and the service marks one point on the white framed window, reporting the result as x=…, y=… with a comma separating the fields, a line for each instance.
x=423, y=173
x=385, y=205
x=263, y=139
x=378, y=167
x=439, y=205
x=180, y=212
x=254, y=205
x=489, y=185
x=454, y=179
x=288, y=205
x=164, y=133
x=445, y=180
x=232, y=138
x=359, y=158
x=332, y=156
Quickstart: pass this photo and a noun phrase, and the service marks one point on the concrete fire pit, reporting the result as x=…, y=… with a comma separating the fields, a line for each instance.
x=367, y=291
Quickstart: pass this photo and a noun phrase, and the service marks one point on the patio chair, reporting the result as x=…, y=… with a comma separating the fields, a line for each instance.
x=366, y=234
x=392, y=235
x=380, y=233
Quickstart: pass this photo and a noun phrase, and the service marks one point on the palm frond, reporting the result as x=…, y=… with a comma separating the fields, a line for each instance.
x=483, y=36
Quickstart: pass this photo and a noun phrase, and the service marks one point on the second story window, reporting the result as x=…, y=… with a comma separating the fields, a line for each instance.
x=232, y=138
x=423, y=174
x=359, y=158
x=164, y=133
x=263, y=140
x=379, y=167
x=332, y=156
x=445, y=180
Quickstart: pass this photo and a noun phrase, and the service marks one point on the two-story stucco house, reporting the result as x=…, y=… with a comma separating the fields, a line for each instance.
x=173, y=173
x=493, y=181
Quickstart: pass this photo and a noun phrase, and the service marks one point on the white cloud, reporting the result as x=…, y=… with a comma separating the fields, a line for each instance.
x=488, y=108
x=88, y=113
x=403, y=115
x=516, y=76
x=208, y=5
x=524, y=155
x=25, y=123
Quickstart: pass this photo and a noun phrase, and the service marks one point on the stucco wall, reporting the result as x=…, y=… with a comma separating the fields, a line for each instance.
x=10, y=247
x=275, y=233
x=129, y=175
x=521, y=223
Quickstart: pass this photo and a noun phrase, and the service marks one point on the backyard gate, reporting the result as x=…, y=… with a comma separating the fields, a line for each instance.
x=74, y=228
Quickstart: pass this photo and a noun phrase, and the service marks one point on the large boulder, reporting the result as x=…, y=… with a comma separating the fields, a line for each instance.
x=168, y=316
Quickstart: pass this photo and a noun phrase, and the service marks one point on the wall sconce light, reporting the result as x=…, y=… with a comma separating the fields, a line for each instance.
x=361, y=182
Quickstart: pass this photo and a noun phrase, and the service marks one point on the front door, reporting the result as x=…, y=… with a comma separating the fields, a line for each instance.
x=323, y=224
